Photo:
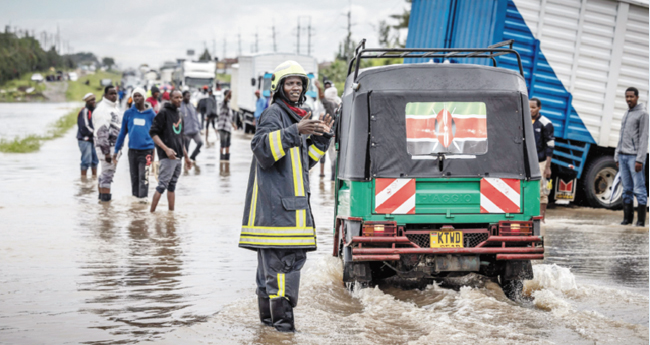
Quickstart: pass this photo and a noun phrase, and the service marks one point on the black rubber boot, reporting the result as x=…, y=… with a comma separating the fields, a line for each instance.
x=227, y=156
x=641, y=215
x=264, y=305
x=628, y=214
x=100, y=197
x=282, y=314
x=106, y=197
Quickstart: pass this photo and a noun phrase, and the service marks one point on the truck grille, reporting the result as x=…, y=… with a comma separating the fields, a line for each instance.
x=470, y=239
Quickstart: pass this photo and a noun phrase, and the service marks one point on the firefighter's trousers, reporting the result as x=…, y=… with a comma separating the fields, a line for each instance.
x=278, y=273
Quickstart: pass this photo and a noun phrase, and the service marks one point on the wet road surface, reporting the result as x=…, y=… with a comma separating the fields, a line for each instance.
x=76, y=271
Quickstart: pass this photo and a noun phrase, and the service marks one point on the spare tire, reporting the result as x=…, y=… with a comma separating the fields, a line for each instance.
x=598, y=182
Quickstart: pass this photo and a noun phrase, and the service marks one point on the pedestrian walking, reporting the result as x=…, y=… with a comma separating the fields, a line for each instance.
x=277, y=199
x=85, y=137
x=136, y=123
x=545, y=143
x=630, y=157
x=153, y=99
x=211, y=113
x=167, y=132
x=225, y=125
x=107, y=120
x=332, y=102
x=200, y=106
x=260, y=105
x=192, y=129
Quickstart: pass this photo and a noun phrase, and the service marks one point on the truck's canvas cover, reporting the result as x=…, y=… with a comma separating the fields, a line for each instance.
x=379, y=108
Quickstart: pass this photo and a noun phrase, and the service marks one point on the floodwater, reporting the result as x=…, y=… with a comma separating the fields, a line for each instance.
x=21, y=119
x=76, y=271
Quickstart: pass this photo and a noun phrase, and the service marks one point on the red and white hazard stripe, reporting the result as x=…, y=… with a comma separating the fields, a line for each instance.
x=500, y=195
x=395, y=196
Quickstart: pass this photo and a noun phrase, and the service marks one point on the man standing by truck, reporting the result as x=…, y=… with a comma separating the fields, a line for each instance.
x=630, y=157
x=545, y=143
x=278, y=222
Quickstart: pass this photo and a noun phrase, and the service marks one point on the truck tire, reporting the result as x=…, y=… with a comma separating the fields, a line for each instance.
x=598, y=181
x=513, y=288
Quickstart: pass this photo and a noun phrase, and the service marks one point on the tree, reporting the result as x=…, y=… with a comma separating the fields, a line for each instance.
x=389, y=35
x=205, y=56
x=108, y=62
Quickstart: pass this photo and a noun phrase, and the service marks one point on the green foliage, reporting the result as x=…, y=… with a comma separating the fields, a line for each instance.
x=205, y=56
x=223, y=77
x=77, y=89
x=23, y=55
x=108, y=62
x=32, y=142
x=15, y=89
x=337, y=71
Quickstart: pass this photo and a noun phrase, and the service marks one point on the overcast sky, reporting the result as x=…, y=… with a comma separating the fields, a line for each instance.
x=135, y=32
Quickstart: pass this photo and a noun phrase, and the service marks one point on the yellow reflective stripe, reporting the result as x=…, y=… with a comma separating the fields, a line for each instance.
x=281, y=284
x=301, y=184
x=312, y=243
x=293, y=169
x=278, y=138
x=311, y=237
x=277, y=228
x=304, y=218
x=313, y=147
x=275, y=143
x=298, y=221
x=279, y=235
x=253, y=205
x=312, y=156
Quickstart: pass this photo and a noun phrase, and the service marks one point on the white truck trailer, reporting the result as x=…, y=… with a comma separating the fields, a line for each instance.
x=578, y=56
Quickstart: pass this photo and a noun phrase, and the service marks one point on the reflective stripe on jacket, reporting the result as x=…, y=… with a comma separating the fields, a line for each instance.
x=277, y=213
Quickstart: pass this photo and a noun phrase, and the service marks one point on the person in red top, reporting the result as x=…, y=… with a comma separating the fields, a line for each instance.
x=153, y=99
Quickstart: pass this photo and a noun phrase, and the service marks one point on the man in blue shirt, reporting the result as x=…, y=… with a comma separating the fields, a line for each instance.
x=260, y=105
x=137, y=123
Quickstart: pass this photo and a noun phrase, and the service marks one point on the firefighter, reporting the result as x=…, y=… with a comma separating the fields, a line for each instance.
x=278, y=221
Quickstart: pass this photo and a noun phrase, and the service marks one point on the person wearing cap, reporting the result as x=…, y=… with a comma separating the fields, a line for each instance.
x=107, y=119
x=260, y=106
x=137, y=123
x=211, y=113
x=153, y=99
x=85, y=136
x=285, y=146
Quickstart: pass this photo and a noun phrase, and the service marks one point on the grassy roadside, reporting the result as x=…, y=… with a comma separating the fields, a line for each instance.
x=76, y=90
x=15, y=90
x=32, y=142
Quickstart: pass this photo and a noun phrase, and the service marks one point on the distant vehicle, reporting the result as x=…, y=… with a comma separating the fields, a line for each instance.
x=72, y=76
x=37, y=77
x=105, y=82
x=195, y=74
x=418, y=193
x=250, y=72
x=578, y=59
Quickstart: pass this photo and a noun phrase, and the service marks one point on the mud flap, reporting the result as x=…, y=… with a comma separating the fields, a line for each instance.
x=356, y=272
x=518, y=270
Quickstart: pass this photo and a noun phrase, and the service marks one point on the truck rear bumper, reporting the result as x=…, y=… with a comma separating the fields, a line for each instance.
x=393, y=253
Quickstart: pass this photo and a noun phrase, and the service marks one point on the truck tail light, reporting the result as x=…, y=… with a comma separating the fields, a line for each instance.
x=379, y=229
x=512, y=228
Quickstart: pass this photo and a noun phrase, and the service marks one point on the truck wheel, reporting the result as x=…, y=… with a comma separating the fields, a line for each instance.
x=598, y=182
x=512, y=288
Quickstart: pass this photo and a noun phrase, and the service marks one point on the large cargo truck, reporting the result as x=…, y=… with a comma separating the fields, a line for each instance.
x=578, y=57
x=195, y=74
x=250, y=77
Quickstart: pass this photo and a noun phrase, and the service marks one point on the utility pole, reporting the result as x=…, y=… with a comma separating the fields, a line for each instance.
x=275, y=48
x=309, y=37
x=298, y=38
x=257, y=47
x=239, y=42
x=214, y=48
x=224, y=48
x=349, y=37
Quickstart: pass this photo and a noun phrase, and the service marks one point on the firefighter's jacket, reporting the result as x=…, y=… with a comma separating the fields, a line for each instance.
x=277, y=213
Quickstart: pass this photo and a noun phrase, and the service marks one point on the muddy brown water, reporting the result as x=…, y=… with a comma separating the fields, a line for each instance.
x=75, y=271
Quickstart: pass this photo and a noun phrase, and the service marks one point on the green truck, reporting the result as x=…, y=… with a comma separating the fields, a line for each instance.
x=437, y=173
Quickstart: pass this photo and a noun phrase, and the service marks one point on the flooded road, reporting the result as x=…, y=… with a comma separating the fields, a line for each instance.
x=76, y=271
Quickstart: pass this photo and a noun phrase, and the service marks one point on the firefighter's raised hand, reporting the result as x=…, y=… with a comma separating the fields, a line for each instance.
x=326, y=126
x=308, y=126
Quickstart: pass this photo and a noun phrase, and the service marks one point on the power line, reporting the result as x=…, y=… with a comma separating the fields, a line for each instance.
x=275, y=47
x=298, y=38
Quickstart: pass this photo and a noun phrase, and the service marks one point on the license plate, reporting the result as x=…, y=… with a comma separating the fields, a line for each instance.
x=446, y=239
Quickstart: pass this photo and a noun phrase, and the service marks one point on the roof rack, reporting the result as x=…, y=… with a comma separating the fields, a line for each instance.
x=490, y=52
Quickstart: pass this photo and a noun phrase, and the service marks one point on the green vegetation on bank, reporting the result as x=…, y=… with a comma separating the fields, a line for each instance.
x=33, y=142
x=16, y=89
x=90, y=83
x=19, y=56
